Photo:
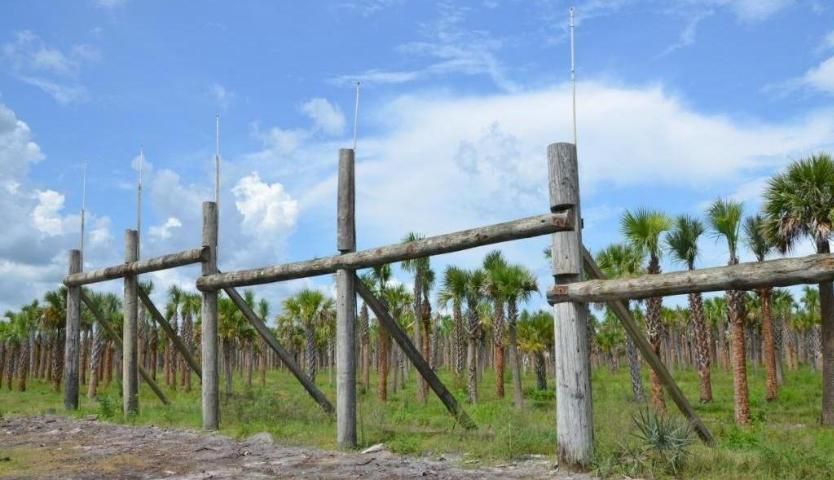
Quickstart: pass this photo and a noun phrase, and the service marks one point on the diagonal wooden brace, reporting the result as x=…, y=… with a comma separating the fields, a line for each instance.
x=175, y=339
x=284, y=355
x=621, y=311
x=117, y=342
x=387, y=322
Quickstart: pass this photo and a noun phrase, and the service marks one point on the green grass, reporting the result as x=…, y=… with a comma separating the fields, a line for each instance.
x=784, y=441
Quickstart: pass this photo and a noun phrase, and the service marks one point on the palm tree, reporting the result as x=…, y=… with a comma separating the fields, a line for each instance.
x=365, y=336
x=725, y=219
x=473, y=294
x=175, y=299
x=535, y=332
x=518, y=285
x=782, y=307
x=420, y=267
x=381, y=275
x=799, y=203
x=810, y=319
x=54, y=320
x=618, y=261
x=263, y=312
x=682, y=243
x=453, y=292
x=190, y=308
x=758, y=244
x=643, y=229
x=494, y=264
x=310, y=304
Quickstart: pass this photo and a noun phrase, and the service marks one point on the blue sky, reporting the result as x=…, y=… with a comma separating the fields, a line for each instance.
x=679, y=102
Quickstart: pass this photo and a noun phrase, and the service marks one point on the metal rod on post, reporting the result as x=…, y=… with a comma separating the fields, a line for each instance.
x=574, y=409
x=346, y=306
x=73, y=336
x=130, y=359
x=210, y=386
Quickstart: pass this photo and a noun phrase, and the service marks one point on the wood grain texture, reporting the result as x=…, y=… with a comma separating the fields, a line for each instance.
x=186, y=257
x=210, y=394
x=452, y=242
x=574, y=408
x=743, y=276
x=130, y=359
x=73, y=337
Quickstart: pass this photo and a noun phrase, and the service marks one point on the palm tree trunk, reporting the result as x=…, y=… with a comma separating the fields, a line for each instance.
x=541, y=371
x=654, y=327
x=769, y=346
x=696, y=307
x=227, y=366
x=95, y=361
x=384, y=348
x=310, y=351
x=57, y=360
x=23, y=365
x=460, y=341
x=741, y=396
x=515, y=361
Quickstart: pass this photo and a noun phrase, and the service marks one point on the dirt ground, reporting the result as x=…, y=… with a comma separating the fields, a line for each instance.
x=52, y=447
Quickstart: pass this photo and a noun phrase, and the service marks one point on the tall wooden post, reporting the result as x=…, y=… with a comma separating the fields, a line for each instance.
x=209, y=359
x=346, y=306
x=574, y=410
x=73, y=336
x=130, y=359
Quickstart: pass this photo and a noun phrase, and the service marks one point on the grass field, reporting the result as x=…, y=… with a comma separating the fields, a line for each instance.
x=784, y=441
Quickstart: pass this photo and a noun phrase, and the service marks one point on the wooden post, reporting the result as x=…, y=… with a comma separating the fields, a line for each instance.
x=346, y=306
x=73, y=336
x=210, y=366
x=621, y=311
x=117, y=341
x=130, y=360
x=574, y=409
x=175, y=339
x=387, y=322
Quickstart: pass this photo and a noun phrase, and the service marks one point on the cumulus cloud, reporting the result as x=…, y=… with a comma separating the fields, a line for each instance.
x=163, y=232
x=222, y=95
x=37, y=231
x=267, y=209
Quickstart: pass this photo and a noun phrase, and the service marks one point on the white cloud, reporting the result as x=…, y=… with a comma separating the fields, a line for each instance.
x=757, y=10
x=46, y=214
x=163, y=232
x=821, y=77
x=325, y=116
x=53, y=71
x=17, y=147
x=267, y=209
x=448, y=48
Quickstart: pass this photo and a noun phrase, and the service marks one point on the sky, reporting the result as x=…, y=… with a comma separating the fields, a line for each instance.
x=679, y=102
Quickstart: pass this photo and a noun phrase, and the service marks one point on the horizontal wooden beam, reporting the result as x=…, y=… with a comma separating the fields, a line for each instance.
x=620, y=309
x=452, y=242
x=186, y=257
x=744, y=276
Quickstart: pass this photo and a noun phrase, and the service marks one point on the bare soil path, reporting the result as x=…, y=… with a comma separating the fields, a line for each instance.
x=53, y=447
